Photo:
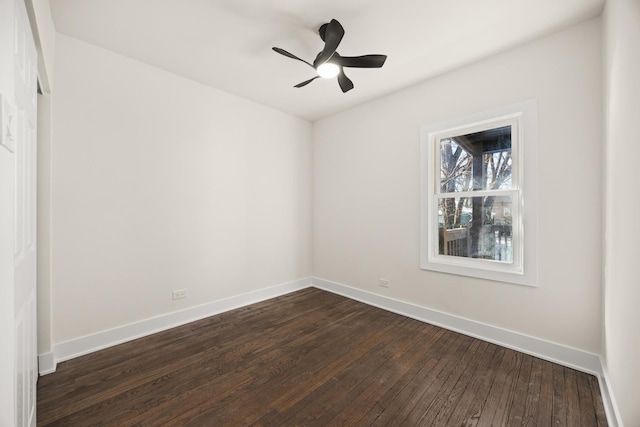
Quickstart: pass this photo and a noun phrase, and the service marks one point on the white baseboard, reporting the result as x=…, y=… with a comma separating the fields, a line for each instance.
x=566, y=356
x=609, y=402
x=46, y=363
x=89, y=343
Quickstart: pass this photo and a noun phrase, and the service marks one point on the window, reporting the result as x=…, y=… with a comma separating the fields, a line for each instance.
x=473, y=192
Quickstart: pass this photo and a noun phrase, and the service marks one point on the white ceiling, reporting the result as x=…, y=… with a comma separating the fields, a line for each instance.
x=226, y=44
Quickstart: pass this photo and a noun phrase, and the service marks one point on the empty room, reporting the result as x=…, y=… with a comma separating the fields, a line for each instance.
x=241, y=212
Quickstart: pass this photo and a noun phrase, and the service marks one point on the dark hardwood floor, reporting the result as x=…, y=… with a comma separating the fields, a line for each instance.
x=315, y=358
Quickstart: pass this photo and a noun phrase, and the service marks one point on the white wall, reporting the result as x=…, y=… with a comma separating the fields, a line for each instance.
x=366, y=190
x=622, y=277
x=161, y=183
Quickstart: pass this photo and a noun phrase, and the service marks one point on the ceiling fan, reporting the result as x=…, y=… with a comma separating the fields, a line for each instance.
x=329, y=63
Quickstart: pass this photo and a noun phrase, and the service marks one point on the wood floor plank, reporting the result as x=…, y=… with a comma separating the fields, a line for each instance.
x=573, y=399
x=545, y=404
x=314, y=358
x=519, y=393
x=427, y=380
x=379, y=385
x=302, y=382
x=204, y=353
x=529, y=417
x=132, y=359
x=334, y=360
x=468, y=408
x=323, y=401
x=447, y=397
x=195, y=395
x=420, y=373
x=496, y=401
x=559, y=397
x=601, y=417
x=587, y=408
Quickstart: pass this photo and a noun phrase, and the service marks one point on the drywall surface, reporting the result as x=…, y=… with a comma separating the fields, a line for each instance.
x=366, y=199
x=622, y=277
x=159, y=184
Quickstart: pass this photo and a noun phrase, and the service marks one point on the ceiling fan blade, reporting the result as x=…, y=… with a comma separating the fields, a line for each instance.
x=291, y=55
x=345, y=82
x=333, y=34
x=306, y=82
x=364, y=61
x=323, y=30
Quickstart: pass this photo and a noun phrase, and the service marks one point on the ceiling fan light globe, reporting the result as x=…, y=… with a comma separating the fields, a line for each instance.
x=328, y=70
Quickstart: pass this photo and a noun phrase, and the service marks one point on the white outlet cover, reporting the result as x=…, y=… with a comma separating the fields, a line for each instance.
x=8, y=124
x=179, y=294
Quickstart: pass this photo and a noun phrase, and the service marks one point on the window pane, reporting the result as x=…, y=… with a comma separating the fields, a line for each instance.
x=456, y=167
x=497, y=170
x=476, y=227
x=476, y=161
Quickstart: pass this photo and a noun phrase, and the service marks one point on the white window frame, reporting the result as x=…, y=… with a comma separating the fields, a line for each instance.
x=523, y=120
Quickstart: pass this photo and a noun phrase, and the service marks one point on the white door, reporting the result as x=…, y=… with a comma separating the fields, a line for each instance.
x=25, y=334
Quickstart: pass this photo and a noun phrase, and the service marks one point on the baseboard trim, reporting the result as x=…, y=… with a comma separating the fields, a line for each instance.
x=100, y=340
x=609, y=402
x=563, y=355
x=46, y=363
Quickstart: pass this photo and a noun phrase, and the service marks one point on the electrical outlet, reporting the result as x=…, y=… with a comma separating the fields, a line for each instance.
x=383, y=282
x=179, y=294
